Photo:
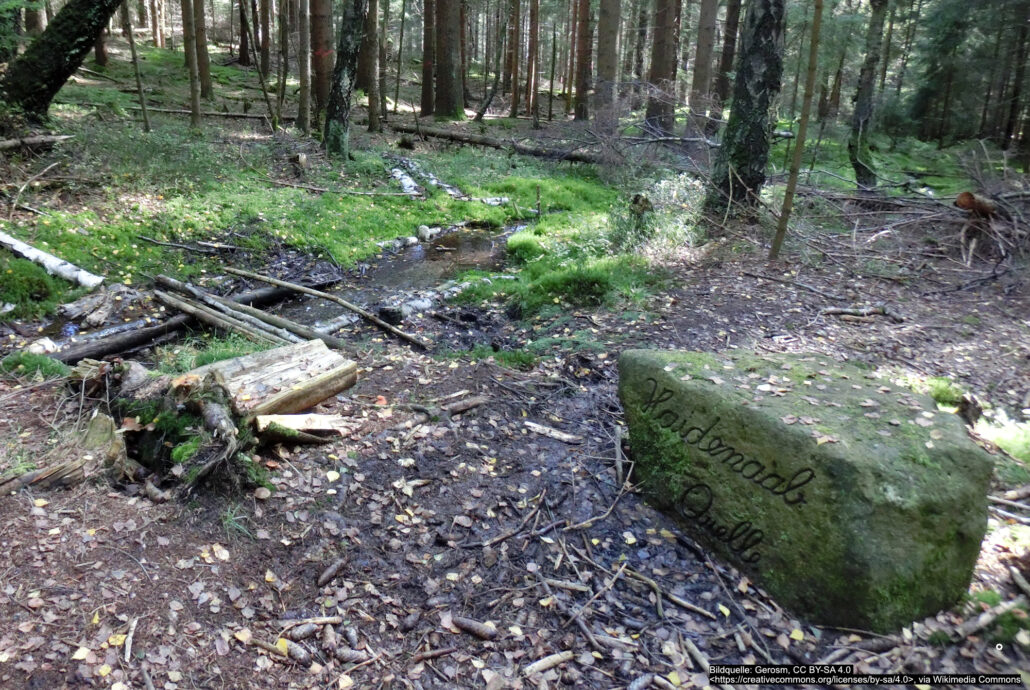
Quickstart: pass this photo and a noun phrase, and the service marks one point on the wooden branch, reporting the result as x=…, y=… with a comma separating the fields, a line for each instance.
x=286, y=324
x=32, y=142
x=210, y=317
x=177, y=111
x=228, y=309
x=878, y=310
x=333, y=298
x=52, y=264
x=176, y=245
x=480, y=140
x=815, y=290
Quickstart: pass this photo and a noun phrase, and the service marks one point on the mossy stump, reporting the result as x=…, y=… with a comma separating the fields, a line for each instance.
x=854, y=502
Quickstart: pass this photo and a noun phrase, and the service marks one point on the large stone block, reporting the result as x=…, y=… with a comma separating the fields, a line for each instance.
x=853, y=501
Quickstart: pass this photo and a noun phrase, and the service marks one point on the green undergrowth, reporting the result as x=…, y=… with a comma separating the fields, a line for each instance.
x=25, y=365
x=1014, y=438
x=512, y=359
x=201, y=350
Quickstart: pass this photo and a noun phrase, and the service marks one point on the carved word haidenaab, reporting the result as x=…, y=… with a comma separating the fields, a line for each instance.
x=702, y=438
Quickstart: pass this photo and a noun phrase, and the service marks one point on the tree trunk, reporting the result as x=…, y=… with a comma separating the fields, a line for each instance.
x=428, y=56
x=321, y=51
x=35, y=22
x=400, y=56
x=584, y=42
x=450, y=94
x=189, y=45
x=304, y=66
x=885, y=62
x=838, y=79
x=721, y=92
x=34, y=78
x=384, y=28
x=155, y=23
x=368, y=56
x=638, y=56
x=284, y=57
x=533, y=55
x=660, y=116
x=515, y=51
x=608, y=20
x=100, y=49
x=336, y=139
x=570, y=72
x=906, y=50
x=806, y=110
x=701, y=83
x=370, y=45
x=739, y=171
x=991, y=78
x=203, y=59
x=142, y=17
x=265, y=41
x=244, y=35
x=1023, y=18
x=862, y=119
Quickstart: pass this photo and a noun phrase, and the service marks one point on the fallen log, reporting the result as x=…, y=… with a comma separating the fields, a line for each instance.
x=33, y=142
x=95, y=349
x=311, y=423
x=333, y=298
x=279, y=381
x=52, y=264
x=491, y=142
x=227, y=309
x=212, y=318
x=237, y=116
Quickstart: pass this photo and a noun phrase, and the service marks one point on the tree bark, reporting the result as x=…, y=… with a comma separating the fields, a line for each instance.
x=515, y=51
x=570, y=73
x=608, y=21
x=34, y=78
x=862, y=119
x=533, y=54
x=638, y=56
x=450, y=95
x=336, y=139
x=838, y=80
x=203, y=59
x=127, y=27
x=1023, y=19
x=721, y=92
x=806, y=110
x=384, y=27
x=35, y=22
x=321, y=51
x=584, y=43
x=400, y=56
x=739, y=171
x=370, y=45
x=265, y=40
x=368, y=55
x=428, y=100
x=702, y=78
x=886, y=59
x=304, y=65
x=244, y=35
x=189, y=45
x=906, y=50
x=661, y=103
x=100, y=49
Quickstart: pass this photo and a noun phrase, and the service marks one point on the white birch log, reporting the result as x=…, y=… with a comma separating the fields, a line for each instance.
x=52, y=264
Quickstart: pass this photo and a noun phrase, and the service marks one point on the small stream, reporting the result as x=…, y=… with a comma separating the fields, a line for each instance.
x=410, y=274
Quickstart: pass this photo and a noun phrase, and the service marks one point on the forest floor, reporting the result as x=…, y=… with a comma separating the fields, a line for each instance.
x=547, y=542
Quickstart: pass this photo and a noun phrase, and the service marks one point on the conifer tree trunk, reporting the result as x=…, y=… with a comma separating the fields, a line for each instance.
x=189, y=46
x=511, y=43
x=885, y=61
x=515, y=51
x=35, y=22
x=739, y=171
x=661, y=103
x=384, y=28
x=321, y=52
x=638, y=56
x=100, y=49
x=862, y=119
x=1023, y=21
x=838, y=79
x=155, y=24
x=265, y=40
x=244, y=35
x=906, y=50
x=450, y=97
x=584, y=43
x=34, y=78
x=304, y=65
x=532, y=54
x=370, y=45
x=702, y=78
x=336, y=138
x=608, y=21
x=368, y=56
x=428, y=56
x=721, y=92
x=203, y=59
x=400, y=56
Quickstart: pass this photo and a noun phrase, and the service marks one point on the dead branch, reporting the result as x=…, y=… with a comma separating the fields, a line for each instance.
x=42, y=141
x=878, y=310
x=803, y=286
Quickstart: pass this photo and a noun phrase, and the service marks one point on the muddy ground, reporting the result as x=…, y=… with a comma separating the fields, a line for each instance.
x=477, y=516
